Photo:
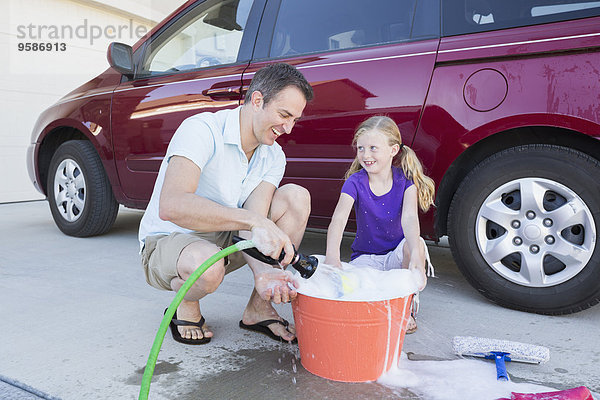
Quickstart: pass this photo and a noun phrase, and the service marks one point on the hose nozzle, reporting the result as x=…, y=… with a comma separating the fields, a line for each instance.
x=305, y=265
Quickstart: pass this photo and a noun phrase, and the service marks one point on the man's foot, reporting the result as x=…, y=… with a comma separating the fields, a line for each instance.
x=190, y=311
x=266, y=328
x=412, y=325
x=278, y=326
x=259, y=310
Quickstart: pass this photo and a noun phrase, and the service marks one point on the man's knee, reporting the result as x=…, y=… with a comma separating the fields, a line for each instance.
x=213, y=276
x=195, y=255
x=295, y=197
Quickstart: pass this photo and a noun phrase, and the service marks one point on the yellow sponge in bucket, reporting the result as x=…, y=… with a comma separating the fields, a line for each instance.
x=349, y=282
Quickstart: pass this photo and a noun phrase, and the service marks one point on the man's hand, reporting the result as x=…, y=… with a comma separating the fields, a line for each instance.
x=272, y=284
x=270, y=240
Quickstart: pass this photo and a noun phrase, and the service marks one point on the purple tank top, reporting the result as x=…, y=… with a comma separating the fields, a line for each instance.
x=378, y=227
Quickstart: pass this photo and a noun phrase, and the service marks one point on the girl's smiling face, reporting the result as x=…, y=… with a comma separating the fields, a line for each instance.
x=374, y=152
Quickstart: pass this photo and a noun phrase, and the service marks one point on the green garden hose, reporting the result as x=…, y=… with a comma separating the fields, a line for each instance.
x=164, y=325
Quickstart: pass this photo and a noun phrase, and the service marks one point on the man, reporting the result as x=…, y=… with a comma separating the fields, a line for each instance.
x=220, y=176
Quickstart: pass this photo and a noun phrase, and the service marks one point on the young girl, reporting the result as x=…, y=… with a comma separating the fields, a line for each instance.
x=385, y=184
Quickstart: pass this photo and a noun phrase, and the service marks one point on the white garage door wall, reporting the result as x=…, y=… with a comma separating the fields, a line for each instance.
x=30, y=81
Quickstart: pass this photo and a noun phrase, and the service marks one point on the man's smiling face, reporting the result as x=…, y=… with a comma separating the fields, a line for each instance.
x=278, y=116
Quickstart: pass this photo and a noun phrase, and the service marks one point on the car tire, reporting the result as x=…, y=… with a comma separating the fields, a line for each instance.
x=523, y=226
x=79, y=192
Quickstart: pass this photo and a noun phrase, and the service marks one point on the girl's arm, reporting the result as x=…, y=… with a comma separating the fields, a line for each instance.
x=412, y=232
x=336, y=229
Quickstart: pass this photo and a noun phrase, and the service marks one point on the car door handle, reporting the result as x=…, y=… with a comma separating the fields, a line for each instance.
x=224, y=92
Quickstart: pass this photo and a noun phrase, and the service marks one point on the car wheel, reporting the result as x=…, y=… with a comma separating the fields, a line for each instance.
x=523, y=227
x=79, y=193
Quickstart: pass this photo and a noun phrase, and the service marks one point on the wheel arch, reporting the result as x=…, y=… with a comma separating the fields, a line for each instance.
x=50, y=143
x=501, y=140
x=61, y=131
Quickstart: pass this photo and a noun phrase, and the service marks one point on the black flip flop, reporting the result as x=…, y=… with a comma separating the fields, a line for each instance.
x=179, y=322
x=262, y=327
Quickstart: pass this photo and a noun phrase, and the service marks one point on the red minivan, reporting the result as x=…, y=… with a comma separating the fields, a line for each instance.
x=500, y=100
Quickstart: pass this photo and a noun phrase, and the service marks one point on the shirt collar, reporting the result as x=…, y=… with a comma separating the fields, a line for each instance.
x=231, y=133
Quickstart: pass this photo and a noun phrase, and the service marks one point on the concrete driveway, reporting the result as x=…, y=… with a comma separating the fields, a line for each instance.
x=78, y=322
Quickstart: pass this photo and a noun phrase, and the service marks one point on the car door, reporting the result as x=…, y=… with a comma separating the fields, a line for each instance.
x=362, y=59
x=193, y=64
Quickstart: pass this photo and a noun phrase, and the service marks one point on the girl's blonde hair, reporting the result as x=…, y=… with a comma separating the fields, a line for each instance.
x=406, y=158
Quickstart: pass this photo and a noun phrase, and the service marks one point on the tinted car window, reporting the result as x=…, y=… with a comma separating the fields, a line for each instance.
x=208, y=35
x=426, y=24
x=469, y=16
x=310, y=26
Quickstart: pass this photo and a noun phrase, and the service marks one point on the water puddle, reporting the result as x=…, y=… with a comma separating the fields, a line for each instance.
x=162, y=368
x=277, y=373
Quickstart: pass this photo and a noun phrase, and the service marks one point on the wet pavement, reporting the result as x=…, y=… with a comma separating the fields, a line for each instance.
x=78, y=322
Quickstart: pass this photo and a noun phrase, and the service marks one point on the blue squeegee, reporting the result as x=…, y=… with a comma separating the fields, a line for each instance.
x=500, y=351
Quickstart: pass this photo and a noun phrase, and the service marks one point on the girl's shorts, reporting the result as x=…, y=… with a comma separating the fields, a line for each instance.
x=391, y=260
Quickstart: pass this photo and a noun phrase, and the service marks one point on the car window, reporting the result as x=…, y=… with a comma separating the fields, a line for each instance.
x=469, y=16
x=208, y=35
x=426, y=23
x=310, y=26
x=562, y=8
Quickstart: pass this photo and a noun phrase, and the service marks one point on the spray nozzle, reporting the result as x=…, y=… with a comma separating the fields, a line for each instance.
x=305, y=265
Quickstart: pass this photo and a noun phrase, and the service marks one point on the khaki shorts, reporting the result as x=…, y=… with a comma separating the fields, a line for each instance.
x=161, y=253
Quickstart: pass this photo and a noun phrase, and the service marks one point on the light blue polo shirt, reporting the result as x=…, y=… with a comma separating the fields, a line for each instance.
x=212, y=141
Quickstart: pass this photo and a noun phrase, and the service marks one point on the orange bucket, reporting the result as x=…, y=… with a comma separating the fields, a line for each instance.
x=350, y=341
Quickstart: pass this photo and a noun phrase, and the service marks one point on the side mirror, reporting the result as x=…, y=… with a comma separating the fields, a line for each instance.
x=120, y=57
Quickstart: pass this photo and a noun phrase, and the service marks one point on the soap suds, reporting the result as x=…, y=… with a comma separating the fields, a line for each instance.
x=355, y=283
x=465, y=379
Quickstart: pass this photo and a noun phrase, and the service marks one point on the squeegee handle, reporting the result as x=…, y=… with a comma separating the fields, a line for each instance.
x=500, y=358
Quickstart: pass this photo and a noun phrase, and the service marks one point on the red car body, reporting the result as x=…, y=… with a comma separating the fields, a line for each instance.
x=458, y=100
